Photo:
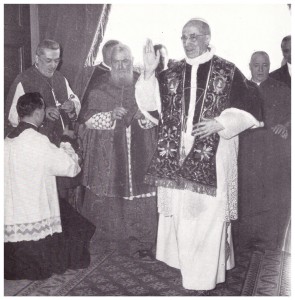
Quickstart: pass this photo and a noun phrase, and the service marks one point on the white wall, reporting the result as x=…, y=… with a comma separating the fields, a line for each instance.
x=237, y=29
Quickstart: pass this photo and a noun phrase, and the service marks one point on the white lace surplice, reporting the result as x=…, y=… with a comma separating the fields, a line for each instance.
x=31, y=201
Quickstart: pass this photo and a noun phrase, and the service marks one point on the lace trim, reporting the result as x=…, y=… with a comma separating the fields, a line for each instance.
x=32, y=231
x=231, y=210
x=152, y=194
x=128, y=136
x=146, y=123
x=231, y=206
x=102, y=120
x=131, y=197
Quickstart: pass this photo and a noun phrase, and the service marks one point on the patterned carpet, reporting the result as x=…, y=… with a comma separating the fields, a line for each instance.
x=269, y=274
x=111, y=274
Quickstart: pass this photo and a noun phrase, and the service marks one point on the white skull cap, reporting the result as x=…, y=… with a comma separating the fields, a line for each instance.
x=199, y=19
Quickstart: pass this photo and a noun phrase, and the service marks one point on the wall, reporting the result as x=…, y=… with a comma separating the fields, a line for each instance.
x=237, y=29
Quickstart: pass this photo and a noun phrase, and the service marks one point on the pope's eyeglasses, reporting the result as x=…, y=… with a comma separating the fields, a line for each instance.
x=192, y=37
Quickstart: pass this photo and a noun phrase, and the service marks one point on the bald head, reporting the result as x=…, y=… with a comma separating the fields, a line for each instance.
x=259, y=54
x=195, y=37
x=107, y=51
x=202, y=26
x=286, y=48
x=259, y=66
x=286, y=39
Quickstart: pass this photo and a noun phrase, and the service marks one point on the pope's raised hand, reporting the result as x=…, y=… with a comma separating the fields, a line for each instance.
x=150, y=59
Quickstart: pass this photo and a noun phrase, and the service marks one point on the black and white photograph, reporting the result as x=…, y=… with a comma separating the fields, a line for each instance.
x=147, y=148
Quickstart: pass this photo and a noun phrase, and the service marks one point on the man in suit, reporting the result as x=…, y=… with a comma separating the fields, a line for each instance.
x=265, y=165
x=284, y=73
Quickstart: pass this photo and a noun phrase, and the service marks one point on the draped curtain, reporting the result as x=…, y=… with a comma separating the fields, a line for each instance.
x=79, y=29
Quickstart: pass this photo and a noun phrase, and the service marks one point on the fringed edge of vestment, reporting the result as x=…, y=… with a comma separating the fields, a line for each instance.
x=181, y=184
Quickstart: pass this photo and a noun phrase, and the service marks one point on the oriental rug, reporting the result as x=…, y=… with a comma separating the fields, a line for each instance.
x=269, y=274
x=111, y=274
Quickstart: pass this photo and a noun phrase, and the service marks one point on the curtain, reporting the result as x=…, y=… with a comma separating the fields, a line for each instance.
x=79, y=29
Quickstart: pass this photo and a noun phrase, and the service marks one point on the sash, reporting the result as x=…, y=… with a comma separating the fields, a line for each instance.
x=198, y=170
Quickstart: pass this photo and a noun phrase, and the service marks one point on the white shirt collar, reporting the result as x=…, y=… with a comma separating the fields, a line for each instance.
x=30, y=123
x=289, y=68
x=258, y=83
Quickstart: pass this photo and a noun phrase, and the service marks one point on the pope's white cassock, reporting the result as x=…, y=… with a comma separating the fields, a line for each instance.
x=194, y=232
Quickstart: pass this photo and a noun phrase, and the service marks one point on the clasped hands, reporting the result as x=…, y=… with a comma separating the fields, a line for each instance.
x=119, y=112
x=206, y=127
x=52, y=112
x=280, y=130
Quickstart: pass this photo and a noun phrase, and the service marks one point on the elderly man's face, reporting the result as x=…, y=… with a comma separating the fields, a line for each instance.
x=122, y=67
x=286, y=50
x=48, y=61
x=259, y=67
x=194, y=41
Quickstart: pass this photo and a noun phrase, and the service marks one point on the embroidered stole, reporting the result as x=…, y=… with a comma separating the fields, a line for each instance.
x=197, y=171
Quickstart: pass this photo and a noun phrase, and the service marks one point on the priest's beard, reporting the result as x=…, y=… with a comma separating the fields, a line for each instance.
x=122, y=77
